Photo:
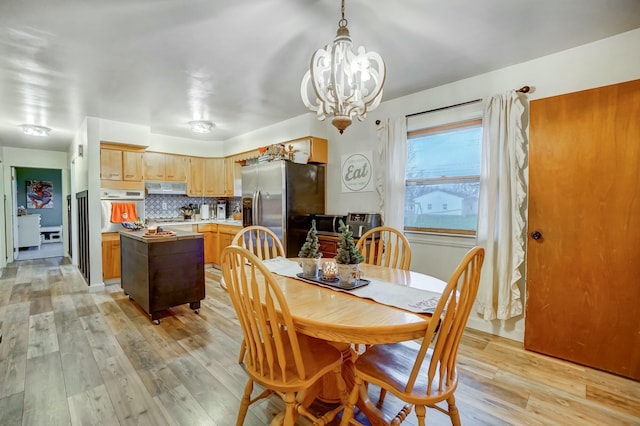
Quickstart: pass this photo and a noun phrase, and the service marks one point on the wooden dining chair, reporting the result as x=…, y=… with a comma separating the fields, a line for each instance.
x=385, y=246
x=424, y=375
x=278, y=358
x=259, y=240
x=263, y=243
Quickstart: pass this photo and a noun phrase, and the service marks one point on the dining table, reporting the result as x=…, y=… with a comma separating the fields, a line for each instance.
x=347, y=320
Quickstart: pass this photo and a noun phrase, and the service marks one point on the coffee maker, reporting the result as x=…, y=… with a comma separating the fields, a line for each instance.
x=359, y=223
x=221, y=210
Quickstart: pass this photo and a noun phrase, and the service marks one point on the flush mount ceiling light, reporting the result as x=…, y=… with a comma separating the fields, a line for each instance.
x=345, y=83
x=34, y=130
x=201, y=126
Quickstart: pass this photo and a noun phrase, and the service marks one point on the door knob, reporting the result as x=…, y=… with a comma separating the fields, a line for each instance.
x=536, y=235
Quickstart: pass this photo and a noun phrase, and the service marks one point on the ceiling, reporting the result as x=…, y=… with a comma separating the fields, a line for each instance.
x=239, y=64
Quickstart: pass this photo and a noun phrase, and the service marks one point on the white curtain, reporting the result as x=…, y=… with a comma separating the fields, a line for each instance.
x=392, y=159
x=502, y=208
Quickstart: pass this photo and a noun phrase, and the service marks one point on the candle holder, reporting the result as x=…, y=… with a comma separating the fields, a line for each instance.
x=329, y=270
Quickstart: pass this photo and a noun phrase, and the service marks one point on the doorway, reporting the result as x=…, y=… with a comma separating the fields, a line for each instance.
x=38, y=213
x=584, y=228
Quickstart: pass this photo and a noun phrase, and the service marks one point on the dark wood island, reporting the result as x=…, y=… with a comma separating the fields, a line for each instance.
x=159, y=272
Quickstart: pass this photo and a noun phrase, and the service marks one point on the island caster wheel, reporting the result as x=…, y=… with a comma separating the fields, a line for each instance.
x=197, y=311
x=156, y=322
x=129, y=296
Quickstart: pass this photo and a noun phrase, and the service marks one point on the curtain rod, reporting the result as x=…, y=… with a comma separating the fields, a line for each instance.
x=523, y=89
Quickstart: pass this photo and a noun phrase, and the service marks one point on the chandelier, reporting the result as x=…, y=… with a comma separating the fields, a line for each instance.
x=345, y=83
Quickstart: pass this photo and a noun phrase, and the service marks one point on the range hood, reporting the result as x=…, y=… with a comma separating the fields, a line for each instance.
x=167, y=188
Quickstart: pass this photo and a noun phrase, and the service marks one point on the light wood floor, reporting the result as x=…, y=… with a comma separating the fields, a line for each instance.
x=74, y=355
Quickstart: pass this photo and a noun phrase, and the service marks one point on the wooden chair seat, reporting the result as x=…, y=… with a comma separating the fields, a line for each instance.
x=423, y=376
x=277, y=357
x=374, y=369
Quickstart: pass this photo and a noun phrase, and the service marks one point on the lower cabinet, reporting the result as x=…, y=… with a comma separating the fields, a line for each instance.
x=210, y=233
x=110, y=255
x=225, y=236
x=161, y=273
x=328, y=246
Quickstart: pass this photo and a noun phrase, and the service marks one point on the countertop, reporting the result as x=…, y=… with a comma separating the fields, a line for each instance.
x=164, y=223
x=179, y=235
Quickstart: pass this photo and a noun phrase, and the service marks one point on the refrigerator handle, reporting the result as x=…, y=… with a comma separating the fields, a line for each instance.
x=256, y=207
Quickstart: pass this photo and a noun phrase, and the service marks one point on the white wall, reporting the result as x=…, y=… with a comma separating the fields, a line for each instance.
x=296, y=127
x=608, y=61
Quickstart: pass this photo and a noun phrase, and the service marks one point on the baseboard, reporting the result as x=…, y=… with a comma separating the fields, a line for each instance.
x=509, y=329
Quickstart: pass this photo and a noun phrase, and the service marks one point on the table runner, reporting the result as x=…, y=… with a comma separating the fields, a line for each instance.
x=387, y=293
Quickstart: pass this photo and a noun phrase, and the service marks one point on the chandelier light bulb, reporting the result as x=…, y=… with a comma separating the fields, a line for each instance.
x=343, y=83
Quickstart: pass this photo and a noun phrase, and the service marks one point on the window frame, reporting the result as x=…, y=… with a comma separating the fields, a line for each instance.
x=413, y=134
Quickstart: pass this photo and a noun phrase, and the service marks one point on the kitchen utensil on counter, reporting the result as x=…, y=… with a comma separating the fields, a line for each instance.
x=187, y=211
x=204, y=212
x=221, y=210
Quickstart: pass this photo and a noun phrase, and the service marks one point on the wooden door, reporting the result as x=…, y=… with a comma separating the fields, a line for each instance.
x=583, y=270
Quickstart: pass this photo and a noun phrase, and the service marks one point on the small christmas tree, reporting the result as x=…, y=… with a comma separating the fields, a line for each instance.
x=348, y=253
x=310, y=247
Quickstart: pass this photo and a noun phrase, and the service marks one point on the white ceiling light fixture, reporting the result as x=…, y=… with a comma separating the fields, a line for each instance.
x=201, y=126
x=345, y=83
x=35, y=130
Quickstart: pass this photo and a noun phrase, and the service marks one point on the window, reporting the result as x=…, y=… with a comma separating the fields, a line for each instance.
x=443, y=170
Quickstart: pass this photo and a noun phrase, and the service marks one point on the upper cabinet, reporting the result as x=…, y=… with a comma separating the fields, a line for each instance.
x=317, y=148
x=214, y=177
x=206, y=177
x=121, y=166
x=167, y=167
x=230, y=174
x=195, y=183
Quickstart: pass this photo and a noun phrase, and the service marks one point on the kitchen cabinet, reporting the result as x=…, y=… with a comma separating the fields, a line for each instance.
x=214, y=177
x=161, y=272
x=110, y=255
x=110, y=164
x=195, y=183
x=121, y=166
x=165, y=167
x=328, y=246
x=317, y=148
x=210, y=232
x=132, y=166
x=225, y=236
x=232, y=177
x=206, y=177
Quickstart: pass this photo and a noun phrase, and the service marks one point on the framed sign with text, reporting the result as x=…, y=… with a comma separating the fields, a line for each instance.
x=357, y=172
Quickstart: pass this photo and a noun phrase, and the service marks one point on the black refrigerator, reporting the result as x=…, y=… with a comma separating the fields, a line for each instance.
x=281, y=195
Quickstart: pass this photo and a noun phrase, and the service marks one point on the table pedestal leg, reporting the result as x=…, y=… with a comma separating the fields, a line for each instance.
x=330, y=390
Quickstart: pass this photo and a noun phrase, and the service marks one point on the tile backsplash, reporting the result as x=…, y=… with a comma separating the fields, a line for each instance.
x=159, y=206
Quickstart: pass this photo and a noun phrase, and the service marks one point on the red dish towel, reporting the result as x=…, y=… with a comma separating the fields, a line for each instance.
x=123, y=212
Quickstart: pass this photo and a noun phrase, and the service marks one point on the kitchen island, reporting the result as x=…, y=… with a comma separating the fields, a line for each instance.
x=161, y=271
